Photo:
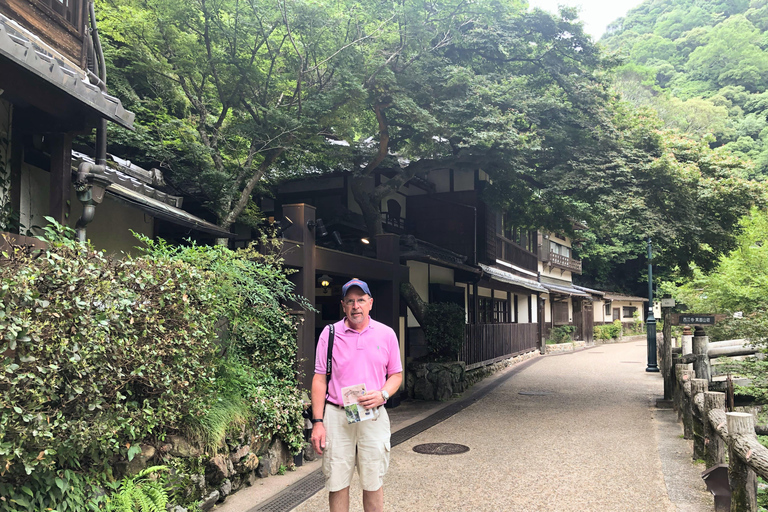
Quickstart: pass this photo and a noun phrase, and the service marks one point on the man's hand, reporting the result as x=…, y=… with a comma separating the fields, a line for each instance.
x=318, y=438
x=371, y=399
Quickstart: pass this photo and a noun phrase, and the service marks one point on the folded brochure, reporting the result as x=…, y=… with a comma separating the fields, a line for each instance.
x=355, y=411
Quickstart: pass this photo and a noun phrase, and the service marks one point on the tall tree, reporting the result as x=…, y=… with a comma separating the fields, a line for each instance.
x=224, y=89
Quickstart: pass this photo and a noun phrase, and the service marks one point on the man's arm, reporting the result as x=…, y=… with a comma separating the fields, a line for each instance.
x=319, y=390
x=375, y=398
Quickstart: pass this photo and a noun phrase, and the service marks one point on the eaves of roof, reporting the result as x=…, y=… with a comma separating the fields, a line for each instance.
x=508, y=277
x=566, y=290
x=24, y=49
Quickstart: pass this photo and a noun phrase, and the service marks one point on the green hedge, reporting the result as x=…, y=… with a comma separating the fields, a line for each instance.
x=608, y=331
x=444, y=326
x=100, y=354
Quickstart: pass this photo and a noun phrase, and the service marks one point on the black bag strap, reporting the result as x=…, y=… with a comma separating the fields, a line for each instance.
x=329, y=364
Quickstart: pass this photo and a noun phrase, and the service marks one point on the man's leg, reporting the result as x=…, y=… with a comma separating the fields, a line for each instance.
x=373, y=501
x=339, y=501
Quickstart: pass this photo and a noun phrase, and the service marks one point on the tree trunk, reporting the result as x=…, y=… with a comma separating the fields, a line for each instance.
x=413, y=301
x=369, y=205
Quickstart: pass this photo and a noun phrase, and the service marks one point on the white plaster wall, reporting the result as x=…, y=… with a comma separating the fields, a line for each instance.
x=463, y=286
x=440, y=275
x=483, y=292
x=441, y=178
x=522, y=308
x=111, y=227
x=397, y=197
x=463, y=180
x=547, y=310
x=419, y=277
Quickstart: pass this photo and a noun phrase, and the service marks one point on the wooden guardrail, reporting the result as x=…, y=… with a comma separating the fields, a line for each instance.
x=713, y=430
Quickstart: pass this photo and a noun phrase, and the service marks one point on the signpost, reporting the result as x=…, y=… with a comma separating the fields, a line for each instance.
x=696, y=319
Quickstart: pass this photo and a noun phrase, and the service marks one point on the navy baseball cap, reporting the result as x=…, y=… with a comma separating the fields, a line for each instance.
x=355, y=282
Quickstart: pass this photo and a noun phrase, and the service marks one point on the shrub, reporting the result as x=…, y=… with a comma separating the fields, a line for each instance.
x=561, y=334
x=444, y=330
x=100, y=354
x=608, y=331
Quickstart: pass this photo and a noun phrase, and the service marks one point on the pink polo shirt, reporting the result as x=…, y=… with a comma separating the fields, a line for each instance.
x=366, y=357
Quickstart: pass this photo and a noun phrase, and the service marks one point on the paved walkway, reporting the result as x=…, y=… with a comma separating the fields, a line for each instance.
x=571, y=432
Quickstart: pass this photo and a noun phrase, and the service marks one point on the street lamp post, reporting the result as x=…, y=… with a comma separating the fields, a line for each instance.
x=650, y=322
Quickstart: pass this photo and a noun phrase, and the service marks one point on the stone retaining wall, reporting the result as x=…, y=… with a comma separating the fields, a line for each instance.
x=441, y=381
x=209, y=479
x=557, y=348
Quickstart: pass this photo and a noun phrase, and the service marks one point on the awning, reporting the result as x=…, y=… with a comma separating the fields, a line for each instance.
x=27, y=51
x=617, y=296
x=508, y=277
x=589, y=290
x=164, y=211
x=565, y=290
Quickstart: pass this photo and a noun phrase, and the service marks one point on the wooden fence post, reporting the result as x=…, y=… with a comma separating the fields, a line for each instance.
x=742, y=479
x=701, y=365
x=698, y=419
x=687, y=405
x=687, y=340
x=714, y=453
x=678, y=395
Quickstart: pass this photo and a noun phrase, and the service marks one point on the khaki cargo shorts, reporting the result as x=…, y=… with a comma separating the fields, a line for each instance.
x=364, y=444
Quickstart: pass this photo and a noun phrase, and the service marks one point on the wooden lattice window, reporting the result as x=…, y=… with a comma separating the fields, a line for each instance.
x=68, y=10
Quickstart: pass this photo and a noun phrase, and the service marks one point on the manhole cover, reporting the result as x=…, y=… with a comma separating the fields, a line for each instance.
x=535, y=393
x=440, y=448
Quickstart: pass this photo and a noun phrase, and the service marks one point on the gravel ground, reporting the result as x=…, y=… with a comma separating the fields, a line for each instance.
x=586, y=439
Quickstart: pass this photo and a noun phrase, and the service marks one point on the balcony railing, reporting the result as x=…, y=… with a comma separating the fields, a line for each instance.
x=511, y=252
x=564, y=262
x=392, y=220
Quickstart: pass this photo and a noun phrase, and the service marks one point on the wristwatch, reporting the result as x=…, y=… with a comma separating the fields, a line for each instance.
x=384, y=395
x=316, y=420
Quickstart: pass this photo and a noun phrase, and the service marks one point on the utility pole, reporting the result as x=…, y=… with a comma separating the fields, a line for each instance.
x=650, y=322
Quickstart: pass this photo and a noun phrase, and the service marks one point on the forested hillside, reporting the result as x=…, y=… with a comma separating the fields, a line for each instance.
x=703, y=65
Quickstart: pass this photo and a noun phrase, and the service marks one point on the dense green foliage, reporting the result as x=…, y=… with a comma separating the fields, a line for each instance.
x=142, y=492
x=703, y=66
x=444, y=330
x=739, y=284
x=608, y=331
x=561, y=334
x=101, y=354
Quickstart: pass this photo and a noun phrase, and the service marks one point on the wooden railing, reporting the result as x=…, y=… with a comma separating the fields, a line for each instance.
x=513, y=253
x=564, y=262
x=713, y=430
x=488, y=343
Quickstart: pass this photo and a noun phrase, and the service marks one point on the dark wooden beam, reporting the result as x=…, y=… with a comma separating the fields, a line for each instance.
x=61, y=176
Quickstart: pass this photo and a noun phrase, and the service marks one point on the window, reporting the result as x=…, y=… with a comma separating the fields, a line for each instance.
x=628, y=312
x=69, y=10
x=490, y=311
x=607, y=308
x=560, y=249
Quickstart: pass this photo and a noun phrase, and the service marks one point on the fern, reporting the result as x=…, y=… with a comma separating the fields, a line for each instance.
x=140, y=493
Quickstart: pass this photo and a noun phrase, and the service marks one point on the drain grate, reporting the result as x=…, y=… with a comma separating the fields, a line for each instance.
x=311, y=484
x=535, y=393
x=440, y=448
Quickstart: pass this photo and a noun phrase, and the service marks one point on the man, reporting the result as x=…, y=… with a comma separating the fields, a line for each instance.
x=364, y=352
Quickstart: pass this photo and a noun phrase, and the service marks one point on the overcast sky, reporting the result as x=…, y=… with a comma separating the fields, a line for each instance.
x=596, y=14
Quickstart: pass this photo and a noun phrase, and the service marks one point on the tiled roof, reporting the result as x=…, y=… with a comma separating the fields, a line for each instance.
x=508, y=277
x=28, y=51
